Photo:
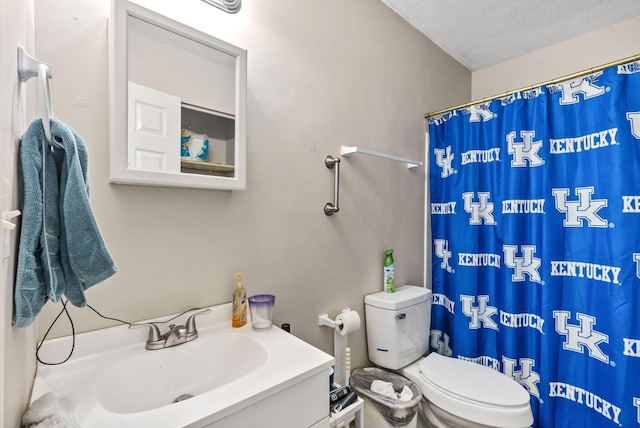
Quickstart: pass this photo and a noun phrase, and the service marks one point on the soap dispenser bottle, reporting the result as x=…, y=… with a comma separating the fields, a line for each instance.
x=389, y=272
x=239, y=317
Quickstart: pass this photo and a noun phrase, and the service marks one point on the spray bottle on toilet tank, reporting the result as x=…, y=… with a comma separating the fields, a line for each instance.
x=389, y=272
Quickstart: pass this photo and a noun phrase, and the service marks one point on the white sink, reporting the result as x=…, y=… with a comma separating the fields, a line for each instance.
x=231, y=376
x=186, y=370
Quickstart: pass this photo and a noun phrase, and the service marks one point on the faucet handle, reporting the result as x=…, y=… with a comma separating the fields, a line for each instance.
x=191, y=322
x=154, y=331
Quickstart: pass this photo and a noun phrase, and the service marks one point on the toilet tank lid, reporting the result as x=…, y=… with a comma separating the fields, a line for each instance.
x=403, y=297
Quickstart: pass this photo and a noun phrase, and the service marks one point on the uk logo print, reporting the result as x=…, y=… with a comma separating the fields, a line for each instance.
x=581, y=337
x=585, y=208
x=442, y=252
x=525, y=150
x=440, y=342
x=480, y=315
x=481, y=211
x=444, y=159
x=584, y=85
x=526, y=376
x=525, y=264
x=481, y=112
x=634, y=119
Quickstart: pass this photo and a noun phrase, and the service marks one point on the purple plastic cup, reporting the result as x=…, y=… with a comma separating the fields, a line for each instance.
x=261, y=310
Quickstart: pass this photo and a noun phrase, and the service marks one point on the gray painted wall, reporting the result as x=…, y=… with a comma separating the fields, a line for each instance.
x=321, y=75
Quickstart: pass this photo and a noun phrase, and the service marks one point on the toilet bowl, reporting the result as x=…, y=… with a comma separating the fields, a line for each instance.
x=456, y=393
x=463, y=394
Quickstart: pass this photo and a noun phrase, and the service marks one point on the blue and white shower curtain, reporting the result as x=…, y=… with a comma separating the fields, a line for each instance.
x=535, y=219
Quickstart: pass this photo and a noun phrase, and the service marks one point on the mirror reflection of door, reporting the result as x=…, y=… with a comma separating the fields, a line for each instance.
x=154, y=128
x=183, y=91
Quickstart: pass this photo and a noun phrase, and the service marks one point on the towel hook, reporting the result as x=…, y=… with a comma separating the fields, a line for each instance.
x=29, y=67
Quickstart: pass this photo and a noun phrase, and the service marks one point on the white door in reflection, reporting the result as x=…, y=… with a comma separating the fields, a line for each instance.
x=154, y=129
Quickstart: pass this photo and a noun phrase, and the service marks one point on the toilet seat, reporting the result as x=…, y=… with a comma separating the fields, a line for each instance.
x=473, y=392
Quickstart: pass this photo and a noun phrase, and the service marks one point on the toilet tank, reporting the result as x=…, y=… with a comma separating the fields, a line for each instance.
x=398, y=325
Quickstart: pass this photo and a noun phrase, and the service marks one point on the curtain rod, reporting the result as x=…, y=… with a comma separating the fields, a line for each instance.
x=529, y=87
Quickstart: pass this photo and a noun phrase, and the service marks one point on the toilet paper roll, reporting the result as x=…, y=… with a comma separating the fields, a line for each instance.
x=347, y=322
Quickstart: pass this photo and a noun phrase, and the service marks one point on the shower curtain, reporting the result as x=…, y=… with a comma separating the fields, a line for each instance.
x=535, y=236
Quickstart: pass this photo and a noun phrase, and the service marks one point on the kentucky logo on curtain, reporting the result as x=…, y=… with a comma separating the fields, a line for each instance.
x=535, y=216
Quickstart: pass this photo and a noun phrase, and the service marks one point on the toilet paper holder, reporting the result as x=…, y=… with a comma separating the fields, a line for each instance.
x=324, y=320
x=346, y=322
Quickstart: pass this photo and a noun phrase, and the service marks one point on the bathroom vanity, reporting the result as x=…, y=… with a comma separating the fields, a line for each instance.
x=227, y=377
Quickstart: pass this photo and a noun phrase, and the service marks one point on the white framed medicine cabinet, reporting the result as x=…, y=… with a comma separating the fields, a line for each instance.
x=177, y=104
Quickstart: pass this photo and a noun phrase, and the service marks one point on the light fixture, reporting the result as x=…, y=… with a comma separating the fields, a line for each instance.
x=230, y=6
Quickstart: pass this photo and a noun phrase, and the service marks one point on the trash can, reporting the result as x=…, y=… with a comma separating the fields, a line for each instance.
x=382, y=411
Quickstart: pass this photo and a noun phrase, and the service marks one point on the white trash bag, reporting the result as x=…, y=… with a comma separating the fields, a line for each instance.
x=393, y=395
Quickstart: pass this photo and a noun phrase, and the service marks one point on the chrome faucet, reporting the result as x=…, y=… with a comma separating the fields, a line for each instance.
x=177, y=334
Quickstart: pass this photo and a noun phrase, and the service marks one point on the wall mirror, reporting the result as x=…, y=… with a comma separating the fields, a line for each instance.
x=178, y=104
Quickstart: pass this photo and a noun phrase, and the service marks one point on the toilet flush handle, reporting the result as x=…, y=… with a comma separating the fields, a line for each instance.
x=401, y=316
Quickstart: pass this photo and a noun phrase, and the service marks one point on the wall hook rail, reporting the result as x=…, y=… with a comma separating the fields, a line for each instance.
x=330, y=162
x=8, y=226
x=346, y=151
x=8, y=215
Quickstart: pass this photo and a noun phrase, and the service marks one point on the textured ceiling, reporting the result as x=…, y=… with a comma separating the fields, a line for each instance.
x=482, y=33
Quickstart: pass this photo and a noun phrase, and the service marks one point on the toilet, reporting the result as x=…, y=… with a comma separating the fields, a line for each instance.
x=456, y=393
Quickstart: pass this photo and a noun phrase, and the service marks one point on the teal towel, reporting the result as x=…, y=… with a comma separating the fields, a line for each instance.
x=61, y=250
